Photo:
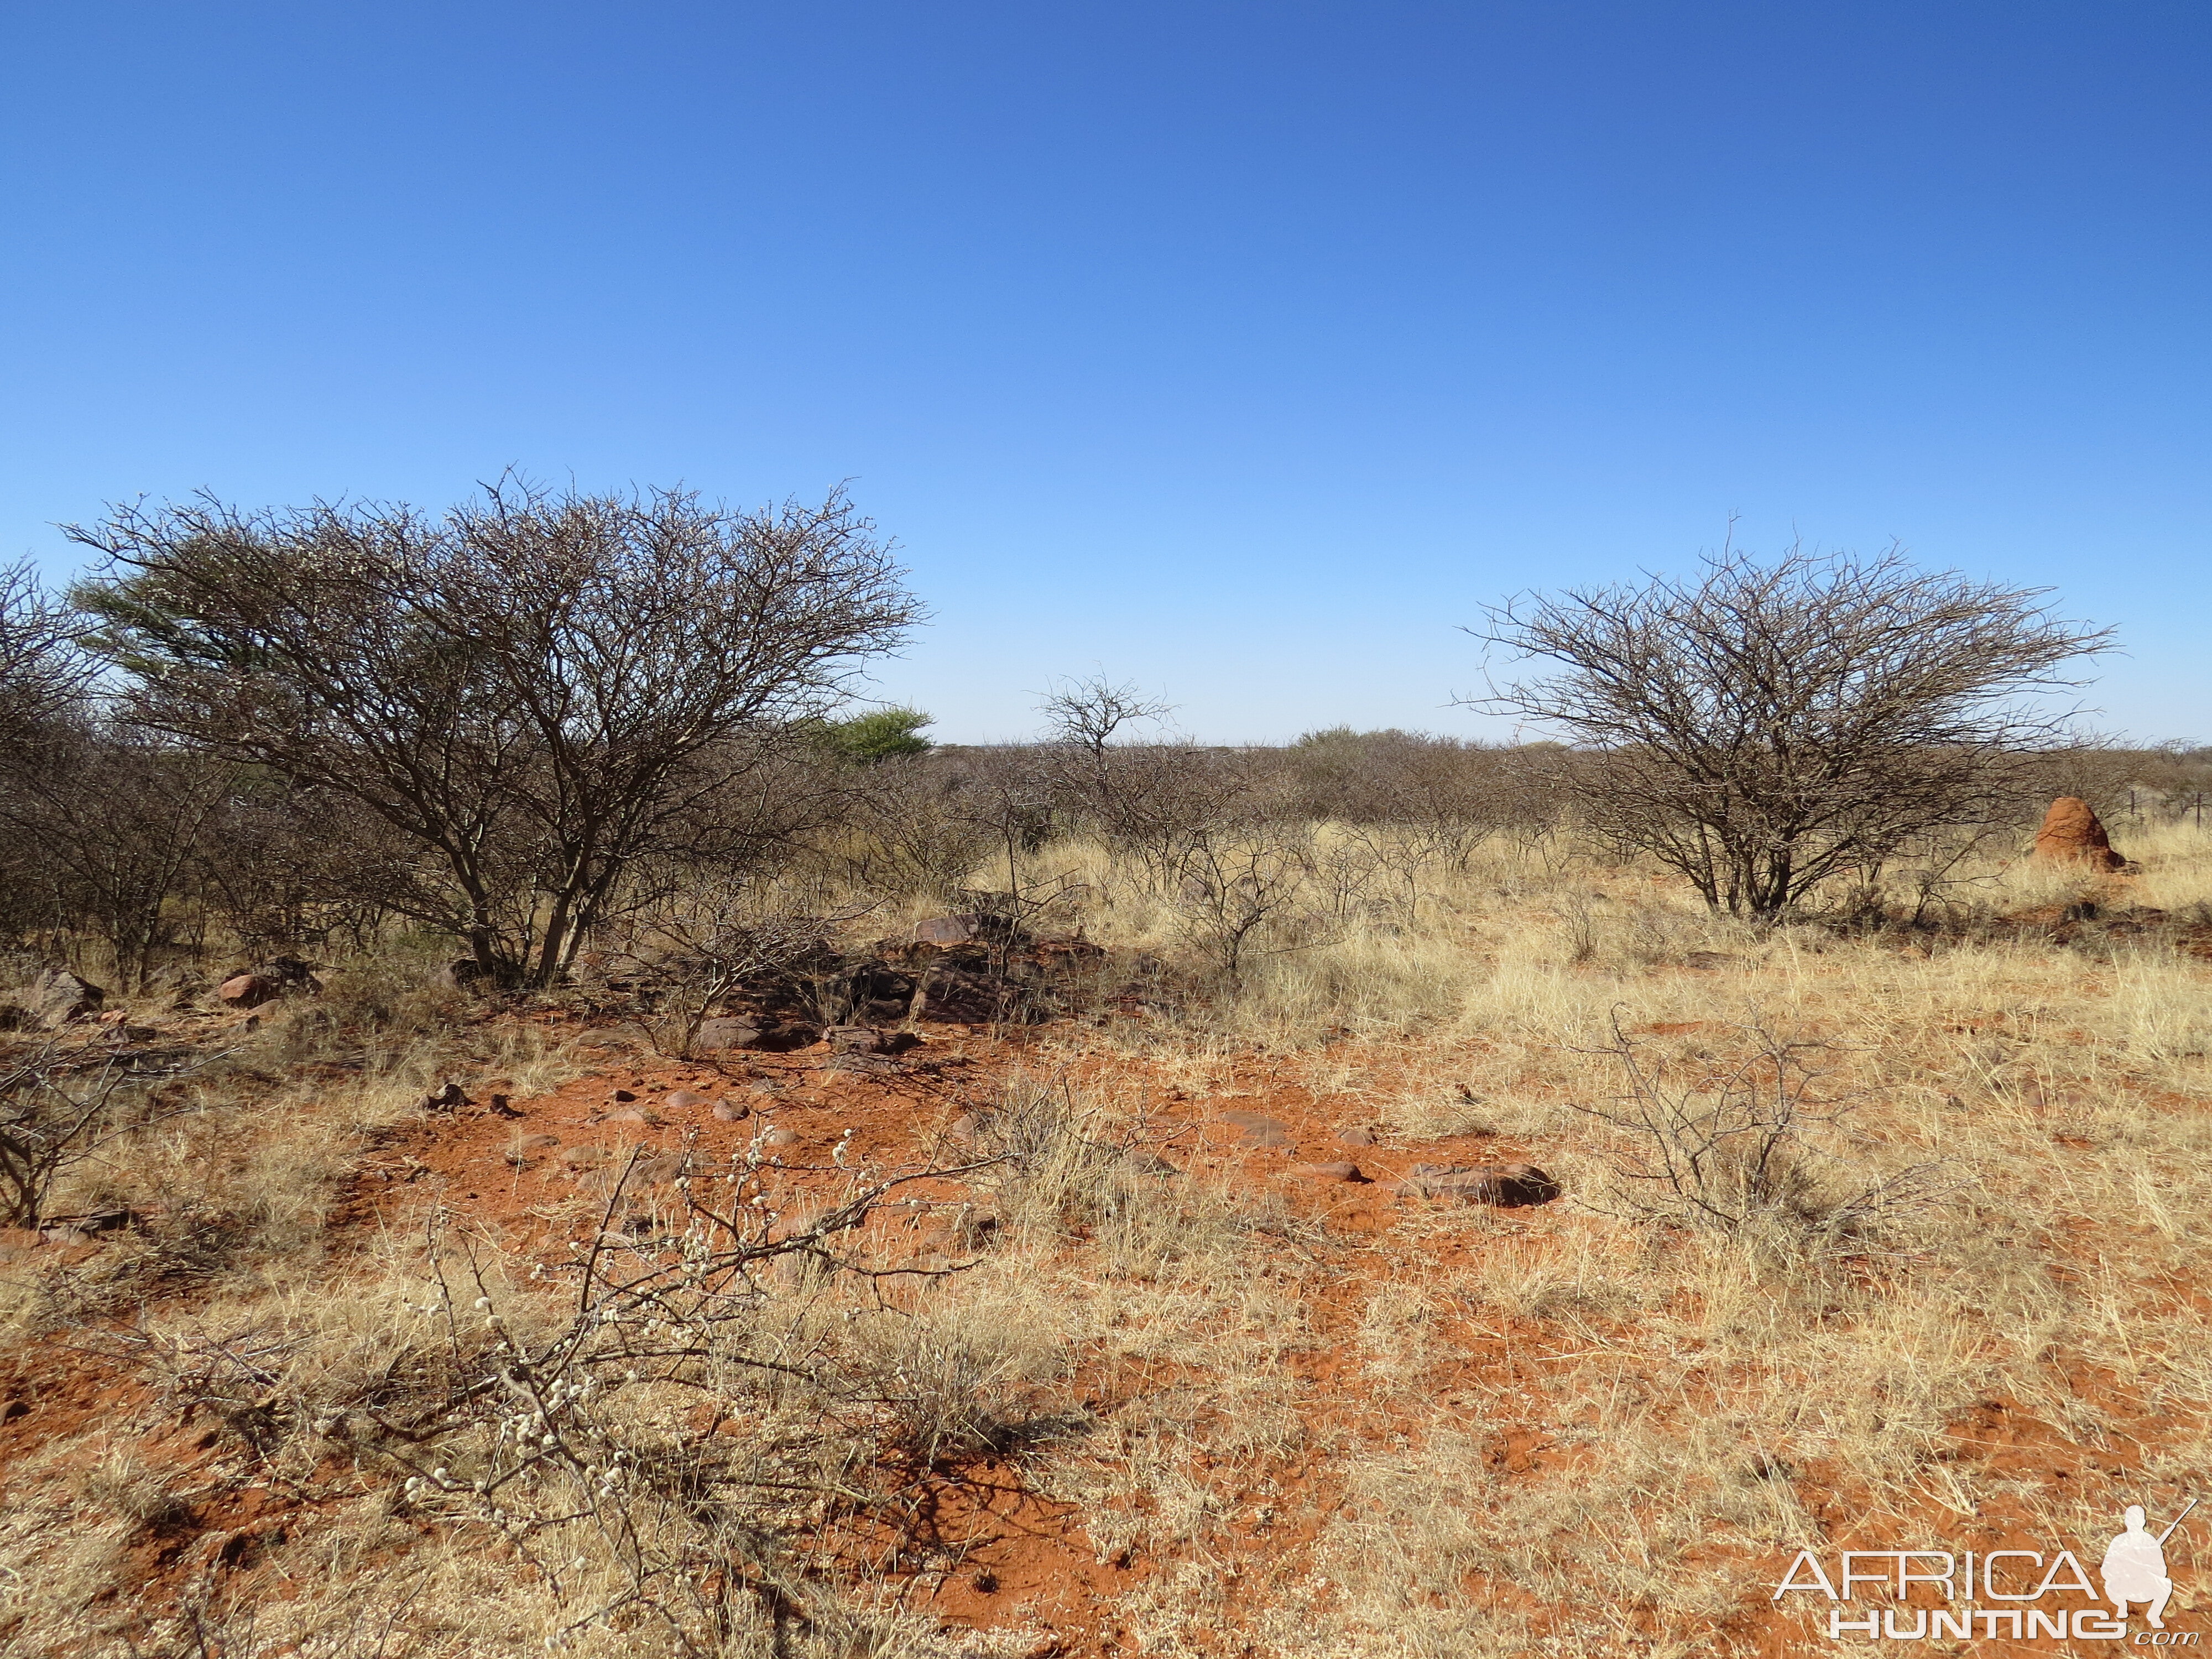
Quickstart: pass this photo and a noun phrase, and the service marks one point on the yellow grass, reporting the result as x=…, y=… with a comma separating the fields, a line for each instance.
x=1700, y=1403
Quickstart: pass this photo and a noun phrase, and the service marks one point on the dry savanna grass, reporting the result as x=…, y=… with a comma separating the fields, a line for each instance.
x=1872, y=1237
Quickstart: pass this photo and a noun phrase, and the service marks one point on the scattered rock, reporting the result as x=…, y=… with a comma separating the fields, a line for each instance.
x=724, y=1033
x=58, y=996
x=1342, y=1171
x=1506, y=1186
x=2072, y=834
x=248, y=990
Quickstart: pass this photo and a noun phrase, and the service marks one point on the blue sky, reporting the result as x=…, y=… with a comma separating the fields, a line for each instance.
x=1240, y=350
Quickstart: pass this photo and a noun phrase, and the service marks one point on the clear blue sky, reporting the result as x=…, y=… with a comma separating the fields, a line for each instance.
x=1241, y=350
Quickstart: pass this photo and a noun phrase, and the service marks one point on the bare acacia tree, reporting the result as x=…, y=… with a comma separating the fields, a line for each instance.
x=1765, y=726
x=42, y=671
x=1087, y=713
x=536, y=689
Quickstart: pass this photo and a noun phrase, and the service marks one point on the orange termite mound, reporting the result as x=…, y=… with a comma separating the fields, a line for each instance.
x=2072, y=833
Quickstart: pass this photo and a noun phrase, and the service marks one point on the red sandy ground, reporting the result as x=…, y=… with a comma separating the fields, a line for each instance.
x=1048, y=1573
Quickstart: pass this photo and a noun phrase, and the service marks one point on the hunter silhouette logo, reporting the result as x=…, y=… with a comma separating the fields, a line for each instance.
x=2134, y=1566
x=1975, y=1588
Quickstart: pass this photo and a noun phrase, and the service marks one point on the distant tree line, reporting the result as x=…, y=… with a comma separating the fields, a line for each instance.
x=515, y=723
